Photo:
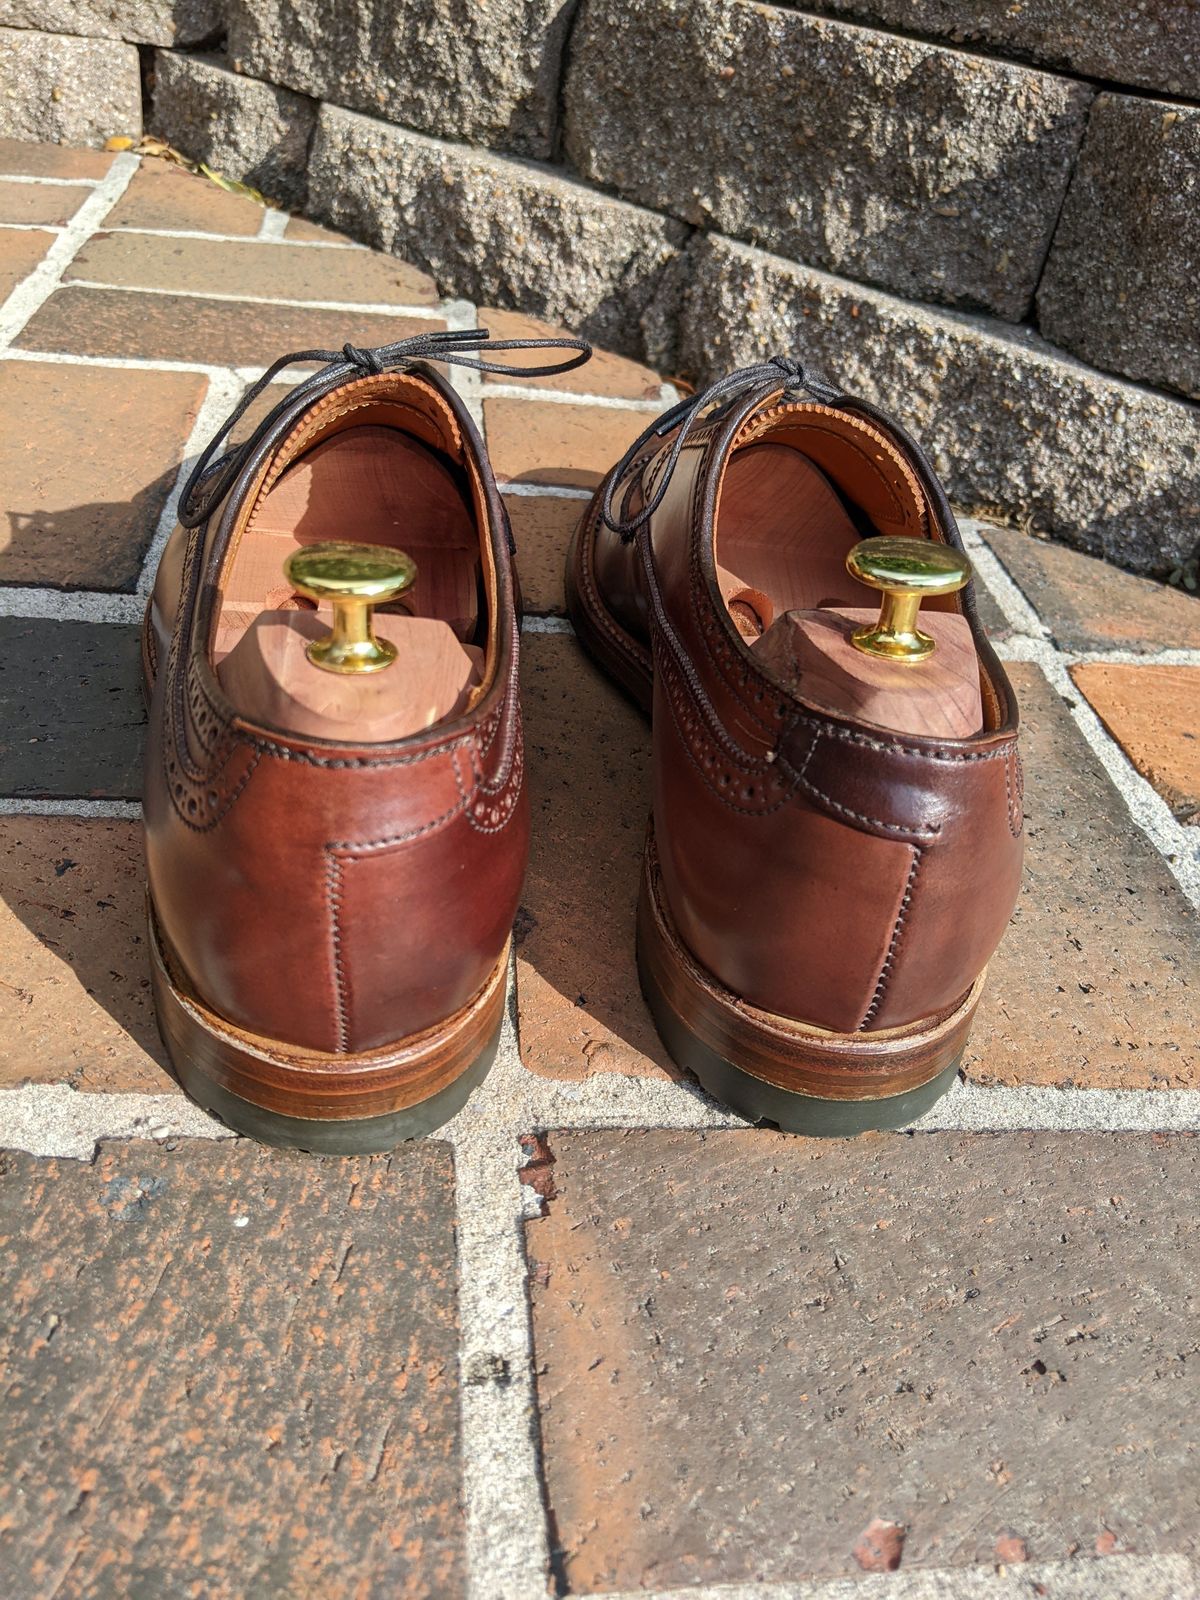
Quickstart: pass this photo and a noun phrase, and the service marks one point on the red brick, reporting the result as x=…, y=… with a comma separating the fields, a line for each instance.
x=1090, y=605
x=749, y=1347
x=301, y=229
x=50, y=203
x=1154, y=715
x=20, y=252
x=549, y=441
x=87, y=474
x=230, y=1372
x=605, y=373
x=542, y=527
x=161, y=195
x=52, y=160
x=169, y=327
x=1094, y=983
x=282, y=271
x=581, y=1010
x=78, y=1008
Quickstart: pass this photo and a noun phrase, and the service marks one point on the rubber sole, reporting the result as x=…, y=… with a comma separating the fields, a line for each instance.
x=776, y=1070
x=352, y=1104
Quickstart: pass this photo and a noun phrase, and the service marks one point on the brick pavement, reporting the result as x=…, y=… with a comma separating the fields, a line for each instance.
x=740, y=1350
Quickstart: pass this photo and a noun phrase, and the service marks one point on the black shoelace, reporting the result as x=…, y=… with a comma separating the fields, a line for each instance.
x=780, y=372
x=210, y=480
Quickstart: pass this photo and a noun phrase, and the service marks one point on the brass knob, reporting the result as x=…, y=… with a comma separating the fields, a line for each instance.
x=354, y=578
x=907, y=571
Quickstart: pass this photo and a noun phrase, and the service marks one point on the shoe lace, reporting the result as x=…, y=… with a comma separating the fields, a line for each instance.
x=210, y=479
x=780, y=372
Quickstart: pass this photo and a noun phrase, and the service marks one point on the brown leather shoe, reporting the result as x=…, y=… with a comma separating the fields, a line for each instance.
x=337, y=825
x=835, y=847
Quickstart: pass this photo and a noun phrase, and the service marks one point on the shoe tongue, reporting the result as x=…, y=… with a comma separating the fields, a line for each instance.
x=857, y=458
x=775, y=650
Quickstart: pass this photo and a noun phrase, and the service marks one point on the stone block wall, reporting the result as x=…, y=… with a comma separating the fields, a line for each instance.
x=985, y=216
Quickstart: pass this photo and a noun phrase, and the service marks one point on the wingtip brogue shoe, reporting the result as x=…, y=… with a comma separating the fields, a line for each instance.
x=336, y=819
x=836, y=841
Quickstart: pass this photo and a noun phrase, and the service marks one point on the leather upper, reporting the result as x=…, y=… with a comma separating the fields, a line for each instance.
x=335, y=897
x=824, y=870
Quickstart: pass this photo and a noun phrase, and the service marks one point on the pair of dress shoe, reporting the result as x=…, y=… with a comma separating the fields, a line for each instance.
x=337, y=820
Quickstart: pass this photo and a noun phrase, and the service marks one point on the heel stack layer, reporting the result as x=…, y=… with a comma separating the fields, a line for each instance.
x=318, y=1101
x=775, y=1069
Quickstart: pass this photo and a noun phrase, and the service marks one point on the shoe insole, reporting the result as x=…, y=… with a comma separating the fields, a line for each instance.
x=783, y=534
x=371, y=485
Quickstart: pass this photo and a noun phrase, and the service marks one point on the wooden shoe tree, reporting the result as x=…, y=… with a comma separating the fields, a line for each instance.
x=373, y=485
x=783, y=535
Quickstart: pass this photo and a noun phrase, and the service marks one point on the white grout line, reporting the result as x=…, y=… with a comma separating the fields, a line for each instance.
x=70, y=605
x=986, y=1108
x=224, y=390
x=1177, y=844
x=20, y=806
x=33, y=227
x=68, y=358
x=35, y=289
x=349, y=307
x=565, y=397
x=460, y=316
x=513, y=1100
x=49, y=1119
x=561, y=491
x=238, y=238
x=273, y=224
x=1118, y=1577
x=50, y=183
x=531, y=623
x=507, y=1538
x=1018, y=613
x=1138, y=658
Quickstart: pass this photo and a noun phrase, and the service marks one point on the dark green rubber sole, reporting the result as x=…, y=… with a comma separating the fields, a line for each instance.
x=767, y=1105
x=346, y=1136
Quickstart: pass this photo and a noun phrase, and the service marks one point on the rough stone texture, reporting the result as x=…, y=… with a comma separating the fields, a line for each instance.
x=1089, y=605
x=20, y=252
x=165, y=327
x=542, y=526
x=1151, y=46
x=282, y=270
x=68, y=91
x=1095, y=983
x=751, y=1347
x=484, y=73
x=231, y=1372
x=247, y=130
x=935, y=174
x=1099, y=463
x=76, y=1006
x=588, y=754
x=138, y=21
x=547, y=441
x=87, y=475
x=1154, y=714
x=501, y=232
x=52, y=160
x=50, y=204
x=1122, y=283
x=160, y=195
x=71, y=709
